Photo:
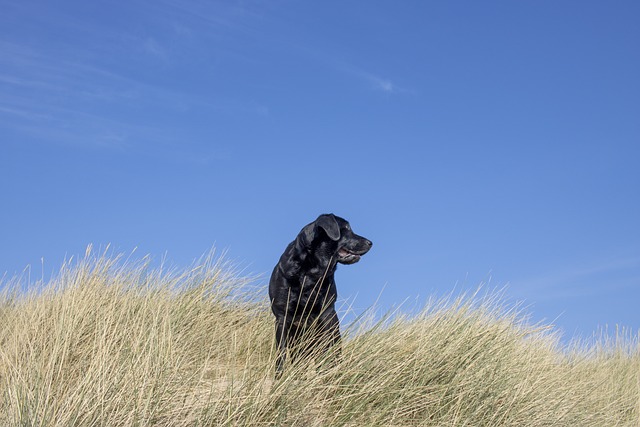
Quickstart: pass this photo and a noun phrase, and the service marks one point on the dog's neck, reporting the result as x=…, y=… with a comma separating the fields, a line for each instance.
x=309, y=263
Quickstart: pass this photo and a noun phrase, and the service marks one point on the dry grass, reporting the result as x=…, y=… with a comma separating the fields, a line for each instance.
x=110, y=342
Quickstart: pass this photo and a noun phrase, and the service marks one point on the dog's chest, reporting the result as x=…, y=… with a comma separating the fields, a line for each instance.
x=313, y=293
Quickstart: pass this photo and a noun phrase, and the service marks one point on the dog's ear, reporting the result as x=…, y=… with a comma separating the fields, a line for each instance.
x=329, y=224
x=308, y=234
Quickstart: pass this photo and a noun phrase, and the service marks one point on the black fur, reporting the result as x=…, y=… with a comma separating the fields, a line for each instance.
x=302, y=288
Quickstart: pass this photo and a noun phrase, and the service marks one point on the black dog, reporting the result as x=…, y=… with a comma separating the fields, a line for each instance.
x=302, y=289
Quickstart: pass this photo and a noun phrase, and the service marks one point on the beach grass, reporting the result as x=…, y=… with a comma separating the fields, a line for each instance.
x=111, y=341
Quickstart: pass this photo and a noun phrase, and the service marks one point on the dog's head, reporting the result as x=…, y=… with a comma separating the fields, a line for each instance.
x=333, y=234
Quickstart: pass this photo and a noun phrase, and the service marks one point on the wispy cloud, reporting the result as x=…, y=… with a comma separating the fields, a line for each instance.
x=373, y=80
x=384, y=85
x=106, y=81
x=581, y=280
x=70, y=97
x=154, y=48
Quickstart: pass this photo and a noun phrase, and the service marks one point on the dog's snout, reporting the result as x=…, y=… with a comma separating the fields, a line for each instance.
x=368, y=242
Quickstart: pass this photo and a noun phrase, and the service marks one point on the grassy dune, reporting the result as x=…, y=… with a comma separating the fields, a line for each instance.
x=111, y=342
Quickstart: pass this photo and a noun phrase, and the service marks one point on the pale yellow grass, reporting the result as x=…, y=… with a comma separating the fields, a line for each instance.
x=114, y=343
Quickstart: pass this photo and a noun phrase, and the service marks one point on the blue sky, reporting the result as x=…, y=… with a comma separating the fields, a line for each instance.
x=472, y=142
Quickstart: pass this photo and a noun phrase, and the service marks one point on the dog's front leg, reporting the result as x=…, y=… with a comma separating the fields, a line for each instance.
x=331, y=340
x=282, y=337
x=335, y=339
